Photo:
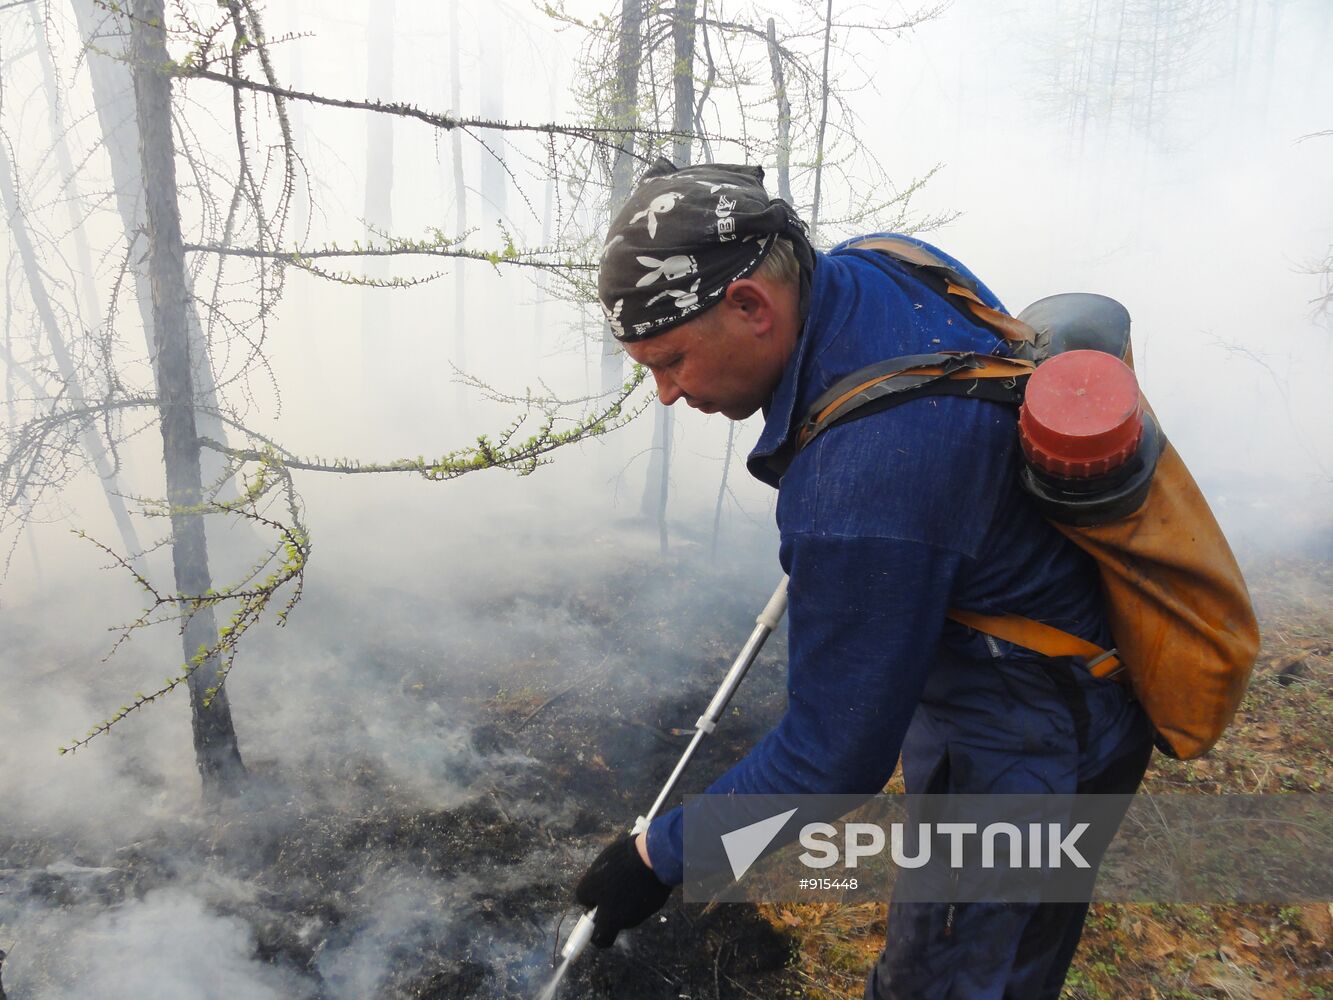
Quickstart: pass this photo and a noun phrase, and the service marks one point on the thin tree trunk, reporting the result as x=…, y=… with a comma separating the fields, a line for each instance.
x=74, y=201
x=301, y=197
x=624, y=112
x=379, y=130
x=91, y=442
x=1270, y=57
x=682, y=38
x=378, y=336
x=657, y=489
x=1083, y=90
x=823, y=124
x=1115, y=69
x=1251, y=43
x=722, y=489
x=216, y=751
x=12, y=371
x=491, y=101
x=548, y=220
x=710, y=78
x=1154, y=68
x=88, y=437
x=108, y=62
x=460, y=197
x=784, y=114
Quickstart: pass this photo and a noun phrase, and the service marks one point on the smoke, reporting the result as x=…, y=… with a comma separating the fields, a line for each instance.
x=401, y=825
x=1196, y=206
x=170, y=945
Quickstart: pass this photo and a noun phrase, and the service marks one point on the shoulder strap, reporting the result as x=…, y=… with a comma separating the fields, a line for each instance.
x=953, y=284
x=979, y=376
x=889, y=383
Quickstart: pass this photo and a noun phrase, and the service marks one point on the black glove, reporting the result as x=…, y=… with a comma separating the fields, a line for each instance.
x=624, y=890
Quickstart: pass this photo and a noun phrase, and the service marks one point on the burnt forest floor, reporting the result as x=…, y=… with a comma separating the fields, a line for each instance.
x=350, y=883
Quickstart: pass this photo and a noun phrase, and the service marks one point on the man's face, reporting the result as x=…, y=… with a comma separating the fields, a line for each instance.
x=728, y=360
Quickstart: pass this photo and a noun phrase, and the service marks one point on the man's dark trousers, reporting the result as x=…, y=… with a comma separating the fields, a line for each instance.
x=993, y=951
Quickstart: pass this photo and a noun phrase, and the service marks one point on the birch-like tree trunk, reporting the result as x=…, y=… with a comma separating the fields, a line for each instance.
x=215, y=746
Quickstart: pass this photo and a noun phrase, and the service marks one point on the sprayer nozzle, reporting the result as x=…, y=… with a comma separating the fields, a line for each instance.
x=579, y=937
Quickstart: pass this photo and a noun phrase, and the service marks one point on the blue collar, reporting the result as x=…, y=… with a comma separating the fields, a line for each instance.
x=780, y=410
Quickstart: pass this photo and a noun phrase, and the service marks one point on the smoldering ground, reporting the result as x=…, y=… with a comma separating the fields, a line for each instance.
x=433, y=760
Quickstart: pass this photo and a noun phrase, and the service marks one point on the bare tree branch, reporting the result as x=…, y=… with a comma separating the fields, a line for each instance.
x=603, y=137
x=526, y=259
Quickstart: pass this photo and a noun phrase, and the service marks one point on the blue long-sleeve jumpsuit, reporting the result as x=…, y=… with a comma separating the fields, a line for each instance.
x=886, y=522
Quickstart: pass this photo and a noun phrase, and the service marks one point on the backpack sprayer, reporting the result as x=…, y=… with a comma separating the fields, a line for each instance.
x=764, y=626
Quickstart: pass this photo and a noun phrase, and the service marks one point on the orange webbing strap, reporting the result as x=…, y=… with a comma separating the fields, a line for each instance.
x=982, y=366
x=903, y=250
x=1044, y=639
x=1010, y=328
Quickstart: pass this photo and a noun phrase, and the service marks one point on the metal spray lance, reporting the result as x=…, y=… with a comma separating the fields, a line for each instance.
x=764, y=626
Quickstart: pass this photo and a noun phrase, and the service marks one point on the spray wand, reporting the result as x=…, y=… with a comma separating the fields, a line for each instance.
x=764, y=626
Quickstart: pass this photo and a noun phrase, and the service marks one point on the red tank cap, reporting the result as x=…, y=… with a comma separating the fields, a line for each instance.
x=1081, y=415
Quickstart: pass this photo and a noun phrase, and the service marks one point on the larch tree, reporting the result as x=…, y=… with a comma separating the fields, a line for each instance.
x=215, y=746
x=238, y=219
x=648, y=100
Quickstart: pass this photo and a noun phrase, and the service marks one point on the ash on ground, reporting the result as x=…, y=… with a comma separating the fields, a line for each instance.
x=420, y=804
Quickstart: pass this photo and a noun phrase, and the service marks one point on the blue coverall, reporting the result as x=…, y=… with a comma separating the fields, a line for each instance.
x=886, y=522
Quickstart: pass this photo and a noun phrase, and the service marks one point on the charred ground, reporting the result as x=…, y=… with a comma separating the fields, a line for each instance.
x=342, y=877
x=351, y=882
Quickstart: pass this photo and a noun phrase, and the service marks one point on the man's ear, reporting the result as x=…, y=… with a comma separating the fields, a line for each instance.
x=754, y=301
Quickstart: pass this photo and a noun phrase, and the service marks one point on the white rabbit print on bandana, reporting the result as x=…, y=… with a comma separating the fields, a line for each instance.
x=672, y=268
x=660, y=205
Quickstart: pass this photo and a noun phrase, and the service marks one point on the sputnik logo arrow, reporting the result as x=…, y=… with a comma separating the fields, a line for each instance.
x=744, y=846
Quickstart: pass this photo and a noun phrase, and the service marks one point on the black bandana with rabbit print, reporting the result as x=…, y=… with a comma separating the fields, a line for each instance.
x=683, y=236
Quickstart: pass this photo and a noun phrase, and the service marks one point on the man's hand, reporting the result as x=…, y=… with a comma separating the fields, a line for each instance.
x=623, y=888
